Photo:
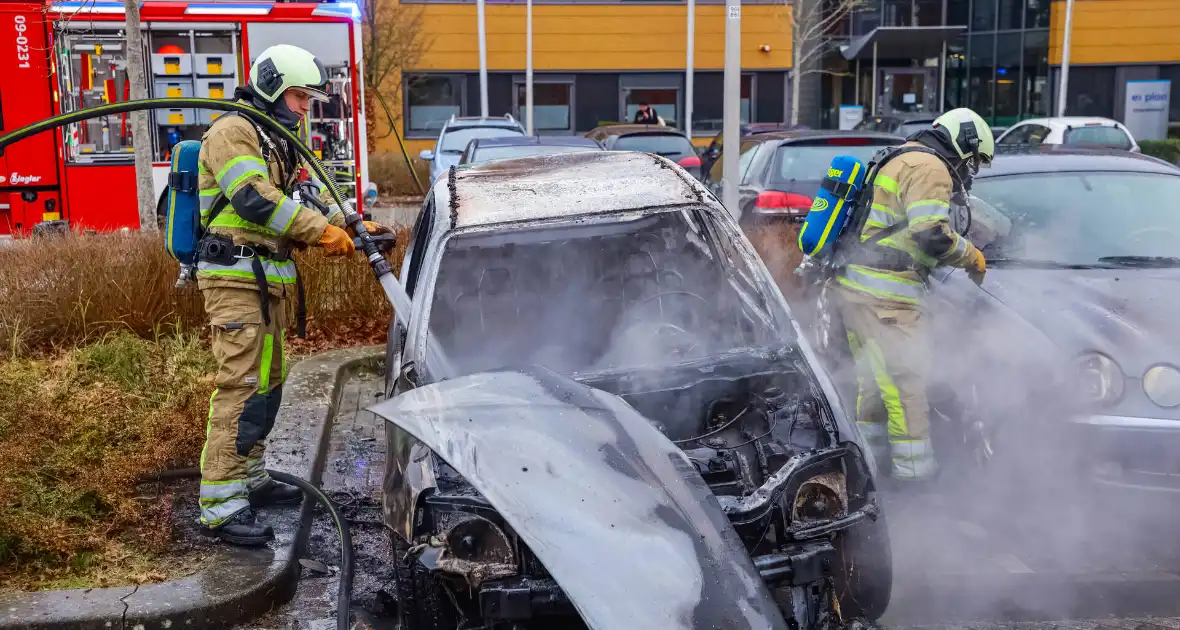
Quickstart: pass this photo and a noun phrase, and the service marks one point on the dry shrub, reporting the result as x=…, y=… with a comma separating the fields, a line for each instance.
x=62, y=291
x=388, y=170
x=76, y=433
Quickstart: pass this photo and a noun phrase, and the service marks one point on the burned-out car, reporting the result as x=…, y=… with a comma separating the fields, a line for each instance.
x=603, y=413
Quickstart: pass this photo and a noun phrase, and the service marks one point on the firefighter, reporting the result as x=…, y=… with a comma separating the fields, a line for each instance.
x=881, y=286
x=246, y=276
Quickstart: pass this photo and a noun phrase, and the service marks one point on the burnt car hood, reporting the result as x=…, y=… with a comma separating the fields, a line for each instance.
x=607, y=503
x=1129, y=314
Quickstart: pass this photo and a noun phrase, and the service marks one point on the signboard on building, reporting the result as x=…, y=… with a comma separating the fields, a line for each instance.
x=850, y=116
x=1146, y=113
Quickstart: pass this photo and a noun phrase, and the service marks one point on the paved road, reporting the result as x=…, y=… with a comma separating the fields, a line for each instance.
x=963, y=559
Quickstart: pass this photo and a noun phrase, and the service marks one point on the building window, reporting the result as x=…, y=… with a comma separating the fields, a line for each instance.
x=709, y=117
x=431, y=100
x=1036, y=14
x=1007, y=79
x=1091, y=91
x=983, y=15
x=958, y=12
x=1036, y=74
x=980, y=84
x=956, y=75
x=865, y=19
x=552, y=105
x=1172, y=73
x=1011, y=14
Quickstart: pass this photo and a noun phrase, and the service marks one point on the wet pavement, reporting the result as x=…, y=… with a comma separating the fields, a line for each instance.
x=958, y=562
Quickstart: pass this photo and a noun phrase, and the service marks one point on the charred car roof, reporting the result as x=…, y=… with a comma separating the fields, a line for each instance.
x=1055, y=158
x=563, y=186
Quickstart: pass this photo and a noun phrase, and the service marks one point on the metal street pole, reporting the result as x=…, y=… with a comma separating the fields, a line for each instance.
x=1063, y=89
x=731, y=143
x=528, y=66
x=688, y=67
x=483, y=60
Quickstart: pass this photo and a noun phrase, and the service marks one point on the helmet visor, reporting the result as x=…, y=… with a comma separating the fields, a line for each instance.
x=312, y=93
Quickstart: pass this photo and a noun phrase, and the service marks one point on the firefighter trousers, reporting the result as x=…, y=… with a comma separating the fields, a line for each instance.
x=890, y=347
x=251, y=366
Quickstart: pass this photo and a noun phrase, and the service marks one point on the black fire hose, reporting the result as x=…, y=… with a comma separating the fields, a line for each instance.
x=344, y=595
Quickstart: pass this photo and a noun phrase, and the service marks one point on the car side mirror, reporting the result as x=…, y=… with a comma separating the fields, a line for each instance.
x=426, y=155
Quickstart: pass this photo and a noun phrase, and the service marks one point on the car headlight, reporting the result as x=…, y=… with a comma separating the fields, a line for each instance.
x=1099, y=378
x=1162, y=385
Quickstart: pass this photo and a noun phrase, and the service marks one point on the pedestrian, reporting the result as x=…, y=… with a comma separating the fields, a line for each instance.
x=646, y=115
x=880, y=289
x=246, y=276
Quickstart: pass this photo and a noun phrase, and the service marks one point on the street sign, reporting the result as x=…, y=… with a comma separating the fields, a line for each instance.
x=1146, y=111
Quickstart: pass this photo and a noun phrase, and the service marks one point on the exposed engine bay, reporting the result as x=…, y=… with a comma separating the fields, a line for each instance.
x=748, y=423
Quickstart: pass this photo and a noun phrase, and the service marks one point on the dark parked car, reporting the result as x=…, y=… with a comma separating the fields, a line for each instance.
x=664, y=141
x=781, y=171
x=713, y=151
x=898, y=124
x=601, y=406
x=486, y=149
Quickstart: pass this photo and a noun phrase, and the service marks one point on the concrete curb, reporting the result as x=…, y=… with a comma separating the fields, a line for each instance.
x=245, y=583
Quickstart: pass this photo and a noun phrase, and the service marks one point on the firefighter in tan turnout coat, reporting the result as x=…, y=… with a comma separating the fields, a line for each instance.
x=880, y=290
x=246, y=275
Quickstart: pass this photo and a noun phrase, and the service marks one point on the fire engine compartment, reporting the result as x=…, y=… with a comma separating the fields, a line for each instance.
x=84, y=174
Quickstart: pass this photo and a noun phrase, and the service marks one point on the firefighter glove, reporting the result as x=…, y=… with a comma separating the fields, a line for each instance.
x=336, y=242
x=372, y=227
x=976, y=265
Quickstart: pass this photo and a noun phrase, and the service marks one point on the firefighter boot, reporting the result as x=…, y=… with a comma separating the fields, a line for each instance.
x=273, y=493
x=243, y=529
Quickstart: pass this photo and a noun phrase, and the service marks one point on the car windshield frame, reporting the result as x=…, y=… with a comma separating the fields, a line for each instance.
x=501, y=131
x=772, y=313
x=1064, y=242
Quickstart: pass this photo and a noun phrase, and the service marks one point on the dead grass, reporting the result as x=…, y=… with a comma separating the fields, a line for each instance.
x=59, y=292
x=388, y=170
x=77, y=431
x=105, y=378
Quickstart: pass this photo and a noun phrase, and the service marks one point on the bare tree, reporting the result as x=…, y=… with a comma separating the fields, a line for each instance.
x=813, y=24
x=393, y=41
x=140, y=129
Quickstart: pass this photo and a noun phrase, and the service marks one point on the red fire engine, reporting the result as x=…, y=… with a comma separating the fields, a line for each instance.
x=70, y=55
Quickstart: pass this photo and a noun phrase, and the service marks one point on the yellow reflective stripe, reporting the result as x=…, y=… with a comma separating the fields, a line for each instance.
x=886, y=183
x=207, y=197
x=333, y=210
x=208, y=428
x=881, y=215
x=268, y=348
x=889, y=392
x=229, y=219
x=927, y=202
x=881, y=285
x=237, y=170
x=277, y=272
x=929, y=218
x=959, y=249
x=282, y=216
x=283, y=350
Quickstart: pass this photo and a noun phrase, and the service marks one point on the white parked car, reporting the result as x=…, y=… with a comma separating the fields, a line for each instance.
x=1080, y=131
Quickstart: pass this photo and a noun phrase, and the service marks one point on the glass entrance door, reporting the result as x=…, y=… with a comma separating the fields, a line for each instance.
x=907, y=90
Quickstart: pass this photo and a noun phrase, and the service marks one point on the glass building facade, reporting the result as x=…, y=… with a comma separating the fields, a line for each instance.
x=998, y=66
